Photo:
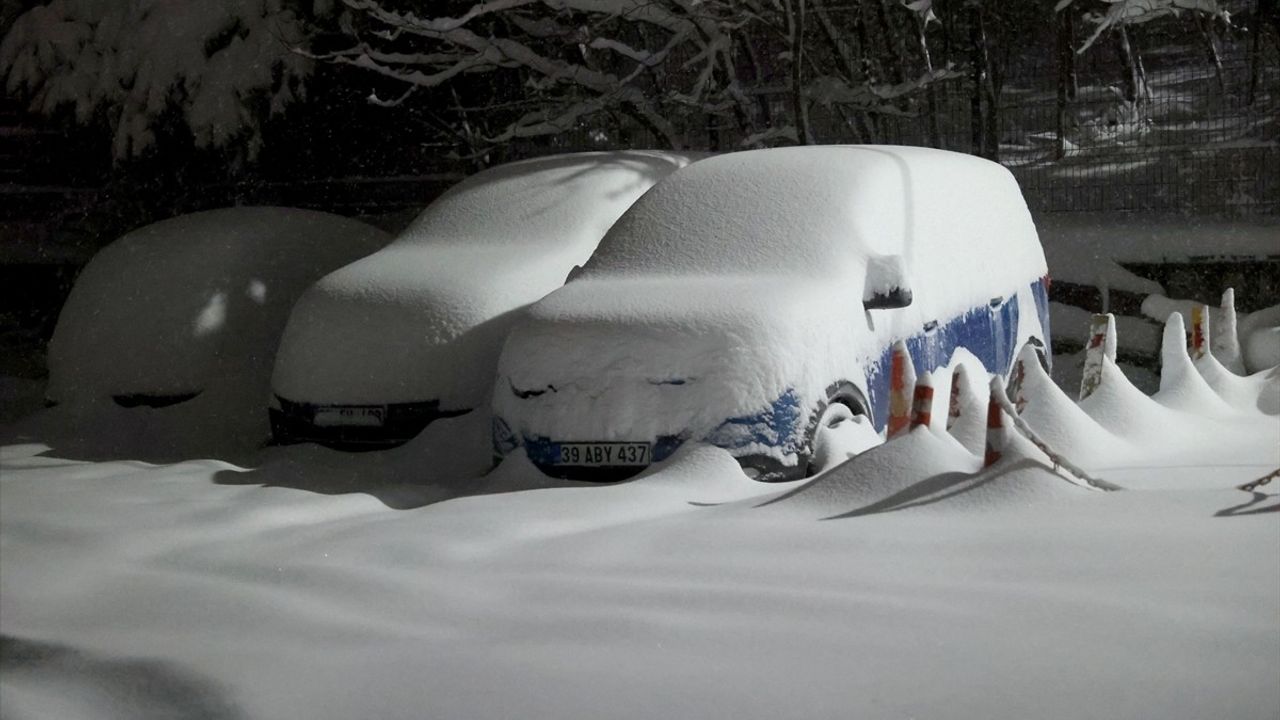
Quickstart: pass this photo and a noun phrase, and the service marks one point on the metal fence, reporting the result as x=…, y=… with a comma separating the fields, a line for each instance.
x=1195, y=141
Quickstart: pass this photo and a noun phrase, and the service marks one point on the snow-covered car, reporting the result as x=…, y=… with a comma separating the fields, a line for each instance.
x=377, y=350
x=178, y=307
x=753, y=298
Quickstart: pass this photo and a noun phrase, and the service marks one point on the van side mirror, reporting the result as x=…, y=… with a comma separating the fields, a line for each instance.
x=886, y=286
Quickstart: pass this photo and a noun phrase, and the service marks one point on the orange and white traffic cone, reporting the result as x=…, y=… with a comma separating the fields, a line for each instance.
x=995, y=431
x=902, y=377
x=922, y=402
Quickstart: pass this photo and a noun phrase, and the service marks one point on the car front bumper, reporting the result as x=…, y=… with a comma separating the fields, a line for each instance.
x=296, y=422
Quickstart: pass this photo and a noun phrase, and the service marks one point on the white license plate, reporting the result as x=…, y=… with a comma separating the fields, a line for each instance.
x=359, y=416
x=604, y=454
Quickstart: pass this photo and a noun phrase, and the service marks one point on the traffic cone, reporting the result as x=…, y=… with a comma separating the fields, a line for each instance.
x=995, y=430
x=1182, y=386
x=902, y=377
x=922, y=402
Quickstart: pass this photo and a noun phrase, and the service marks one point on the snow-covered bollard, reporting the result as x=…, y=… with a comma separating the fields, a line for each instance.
x=1226, y=341
x=922, y=402
x=995, y=428
x=902, y=378
x=1102, y=344
x=1199, y=331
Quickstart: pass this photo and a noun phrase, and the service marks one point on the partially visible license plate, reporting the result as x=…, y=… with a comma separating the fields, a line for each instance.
x=604, y=454
x=361, y=416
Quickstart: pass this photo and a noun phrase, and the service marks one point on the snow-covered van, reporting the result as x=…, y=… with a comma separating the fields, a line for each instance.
x=378, y=349
x=747, y=297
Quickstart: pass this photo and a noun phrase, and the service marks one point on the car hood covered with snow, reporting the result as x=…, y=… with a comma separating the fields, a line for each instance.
x=175, y=305
x=642, y=357
x=424, y=318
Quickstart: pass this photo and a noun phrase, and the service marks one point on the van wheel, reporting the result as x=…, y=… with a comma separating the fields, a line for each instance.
x=841, y=430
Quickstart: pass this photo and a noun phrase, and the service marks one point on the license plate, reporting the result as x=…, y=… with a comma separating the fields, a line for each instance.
x=604, y=454
x=360, y=416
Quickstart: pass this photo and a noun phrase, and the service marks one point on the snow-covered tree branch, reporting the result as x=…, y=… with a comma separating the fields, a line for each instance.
x=679, y=68
x=221, y=64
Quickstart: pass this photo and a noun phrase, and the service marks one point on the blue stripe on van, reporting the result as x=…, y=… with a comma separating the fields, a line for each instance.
x=989, y=332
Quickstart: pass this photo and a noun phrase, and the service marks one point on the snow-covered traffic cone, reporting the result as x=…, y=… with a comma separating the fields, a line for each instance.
x=1199, y=331
x=1181, y=385
x=1102, y=344
x=995, y=428
x=922, y=402
x=965, y=417
x=1053, y=414
x=1226, y=339
x=902, y=378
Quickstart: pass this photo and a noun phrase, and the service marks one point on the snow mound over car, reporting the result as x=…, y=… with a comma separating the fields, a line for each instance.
x=170, y=307
x=734, y=290
x=424, y=318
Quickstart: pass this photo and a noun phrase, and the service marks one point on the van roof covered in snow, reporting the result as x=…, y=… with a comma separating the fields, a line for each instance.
x=821, y=210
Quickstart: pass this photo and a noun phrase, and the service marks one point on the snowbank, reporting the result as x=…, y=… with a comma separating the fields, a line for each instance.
x=171, y=307
x=203, y=588
x=424, y=318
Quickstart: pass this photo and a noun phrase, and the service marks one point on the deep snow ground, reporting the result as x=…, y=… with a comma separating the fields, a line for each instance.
x=307, y=583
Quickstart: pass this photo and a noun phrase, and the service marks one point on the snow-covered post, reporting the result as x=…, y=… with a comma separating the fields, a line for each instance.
x=902, y=378
x=1175, y=366
x=1000, y=401
x=1199, y=331
x=1102, y=344
x=1226, y=341
x=922, y=402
